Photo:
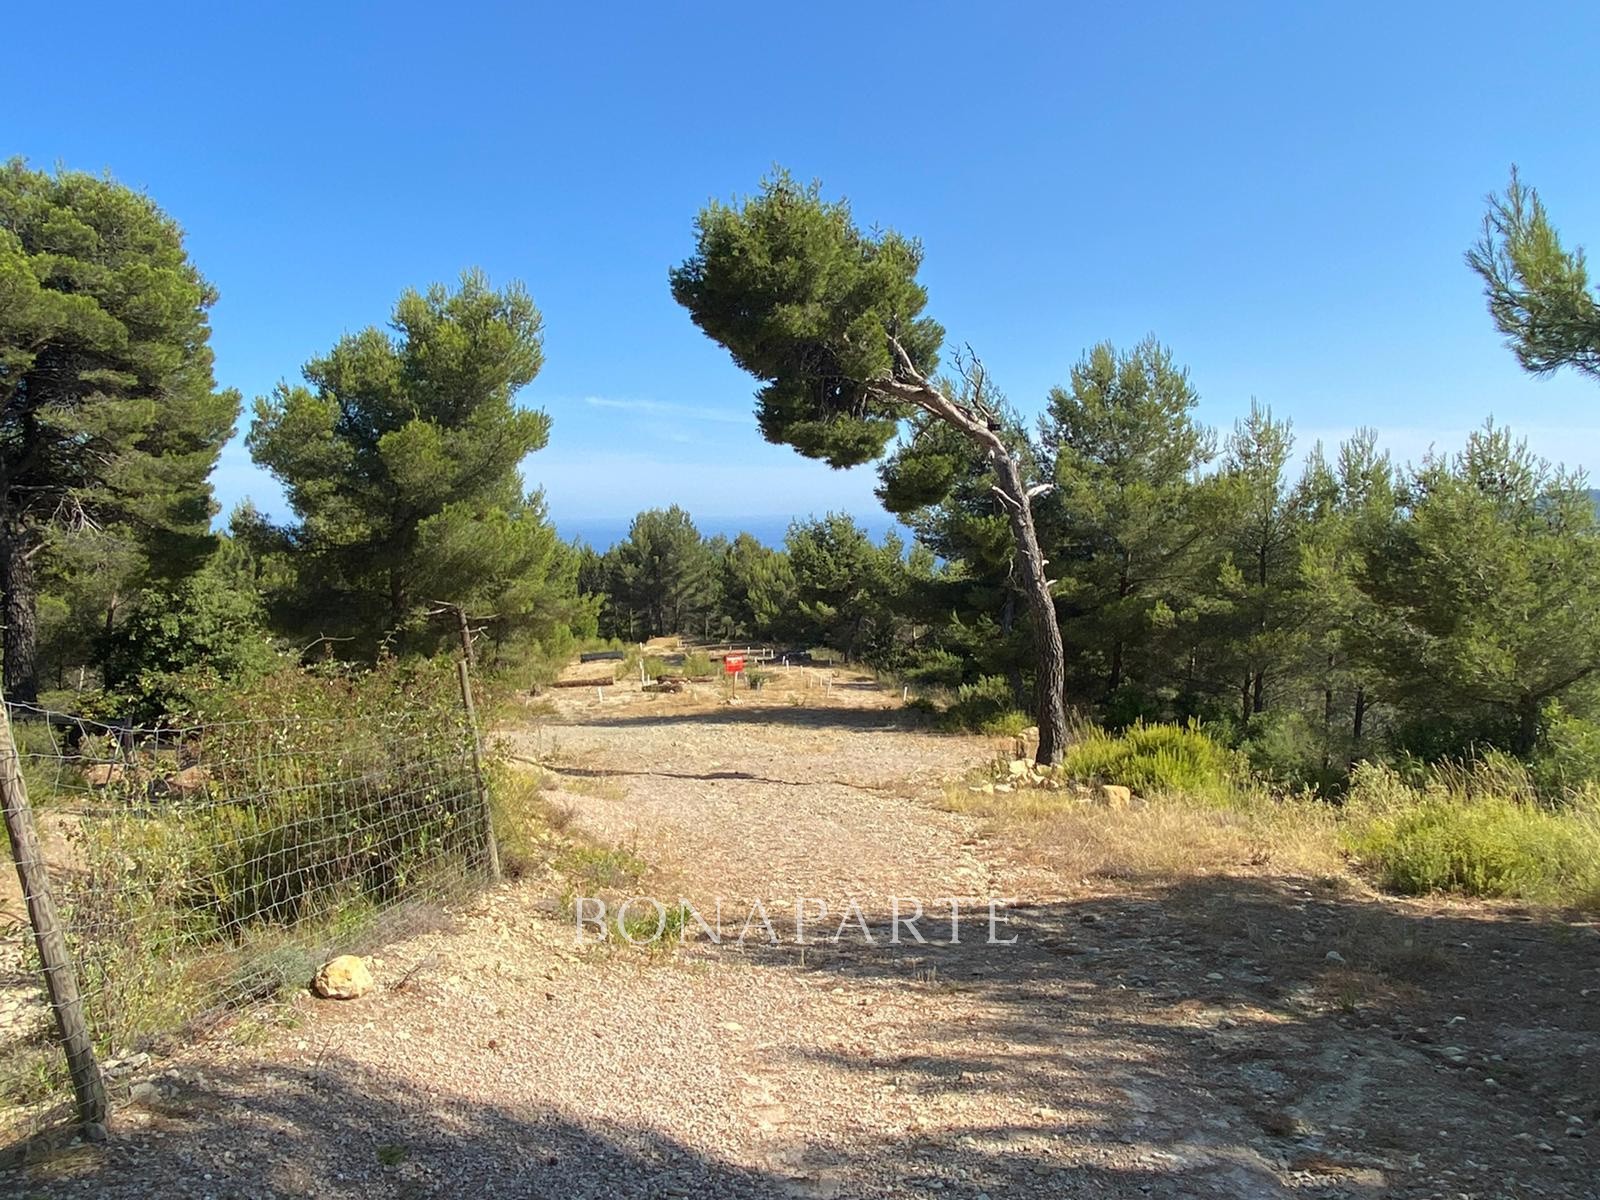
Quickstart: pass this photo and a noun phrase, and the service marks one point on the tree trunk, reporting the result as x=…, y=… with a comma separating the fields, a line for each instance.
x=21, y=615
x=979, y=427
x=1527, y=726
x=1124, y=588
x=1050, y=672
x=397, y=598
x=1360, y=716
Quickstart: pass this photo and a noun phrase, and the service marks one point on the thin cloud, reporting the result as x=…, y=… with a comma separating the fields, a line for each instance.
x=685, y=412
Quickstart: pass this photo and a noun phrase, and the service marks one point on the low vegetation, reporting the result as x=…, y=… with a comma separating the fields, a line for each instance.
x=1464, y=831
x=1477, y=828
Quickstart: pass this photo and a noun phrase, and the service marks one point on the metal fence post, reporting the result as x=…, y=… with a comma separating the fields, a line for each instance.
x=59, y=977
x=491, y=847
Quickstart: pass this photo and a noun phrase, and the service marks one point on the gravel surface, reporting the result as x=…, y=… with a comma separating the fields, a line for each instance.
x=1172, y=1040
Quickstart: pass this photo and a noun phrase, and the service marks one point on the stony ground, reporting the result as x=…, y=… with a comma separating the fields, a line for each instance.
x=1231, y=1034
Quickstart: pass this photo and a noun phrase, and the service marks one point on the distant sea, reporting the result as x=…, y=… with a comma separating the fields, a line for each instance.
x=604, y=532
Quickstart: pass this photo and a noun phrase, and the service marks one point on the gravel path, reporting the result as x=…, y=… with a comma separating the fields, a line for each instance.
x=1135, y=1041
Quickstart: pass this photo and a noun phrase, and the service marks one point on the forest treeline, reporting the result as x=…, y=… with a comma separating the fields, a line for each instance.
x=1313, y=606
x=1316, y=609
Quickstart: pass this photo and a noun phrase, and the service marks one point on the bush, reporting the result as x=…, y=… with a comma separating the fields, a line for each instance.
x=935, y=668
x=986, y=706
x=1156, y=760
x=1286, y=748
x=177, y=643
x=317, y=802
x=1567, y=758
x=1453, y=835
x=698, y=665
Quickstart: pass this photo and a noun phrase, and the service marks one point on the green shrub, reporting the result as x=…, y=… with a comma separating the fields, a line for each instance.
x=935, y=668
x=698, y=665
x=1155, y=760
x=1567, y=758
x=176, y=644
x=986, y=706
x=1452, y=836
x=1285, y=747
x=317, y=802
x=1006, y=724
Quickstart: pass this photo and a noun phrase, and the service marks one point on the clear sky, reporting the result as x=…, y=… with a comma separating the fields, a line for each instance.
x=1281, y=192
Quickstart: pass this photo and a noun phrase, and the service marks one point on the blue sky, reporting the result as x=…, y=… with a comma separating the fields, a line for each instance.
x=1281, y=192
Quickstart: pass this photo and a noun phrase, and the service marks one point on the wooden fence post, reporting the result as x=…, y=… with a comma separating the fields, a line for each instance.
x=491, y=846
x=59, y=977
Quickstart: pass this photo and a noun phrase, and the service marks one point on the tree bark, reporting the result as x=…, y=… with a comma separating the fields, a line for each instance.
x=20, y=640
x=1527, y=725
x=1050, y=670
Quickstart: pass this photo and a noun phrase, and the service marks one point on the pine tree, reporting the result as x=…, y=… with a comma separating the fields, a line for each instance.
x=1487, y=591
x=109, y=414
x=829, y=319
x=1129, y=520
x=1539, y=292
x=400, y=459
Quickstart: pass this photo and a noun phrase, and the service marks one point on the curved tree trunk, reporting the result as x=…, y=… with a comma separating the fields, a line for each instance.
x=1050, y=671
x=979, y=427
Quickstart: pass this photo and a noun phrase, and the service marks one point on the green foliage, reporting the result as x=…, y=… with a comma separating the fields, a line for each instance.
x=1286, y=747
x=1156, y=760
x=846, y=588
x=328, y=799
x=698, y=665
x=1566, y=761
x=961, y=598
x=1440, y=837
x=400, y=460
x=987, y=705
x=1485, y=588
x=109, y=415
x=1539, y=292
x=807, y=302
x=182, y=642
x=595, y=869
x=1128, y=510
x=757, y=590
x=660, y=580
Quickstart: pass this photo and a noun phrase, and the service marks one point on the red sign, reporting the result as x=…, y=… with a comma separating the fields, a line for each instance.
x=733, y=663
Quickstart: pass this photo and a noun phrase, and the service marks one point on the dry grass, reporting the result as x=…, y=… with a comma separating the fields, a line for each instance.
x=1160, y=839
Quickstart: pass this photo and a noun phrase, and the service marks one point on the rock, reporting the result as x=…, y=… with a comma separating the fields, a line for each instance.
x=1003, y=787
x=343, y=978
x=189, y=781
x=103, y=774
x=1334, y=957
x=1026, y=744
x=1114, y=795
x=1019, y=767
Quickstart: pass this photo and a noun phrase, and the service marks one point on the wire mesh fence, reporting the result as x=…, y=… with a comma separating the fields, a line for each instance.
x=196, y=870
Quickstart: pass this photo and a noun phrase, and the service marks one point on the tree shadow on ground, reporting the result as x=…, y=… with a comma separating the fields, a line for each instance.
x=1217, y=1037
x=802, y=716
x=340, y=1129
x=1291, y=1028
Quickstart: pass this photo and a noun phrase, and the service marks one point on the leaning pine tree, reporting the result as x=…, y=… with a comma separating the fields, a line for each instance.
x=829, y=318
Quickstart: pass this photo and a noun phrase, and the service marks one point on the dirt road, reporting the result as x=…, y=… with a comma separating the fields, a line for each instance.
x=1230, y=1035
